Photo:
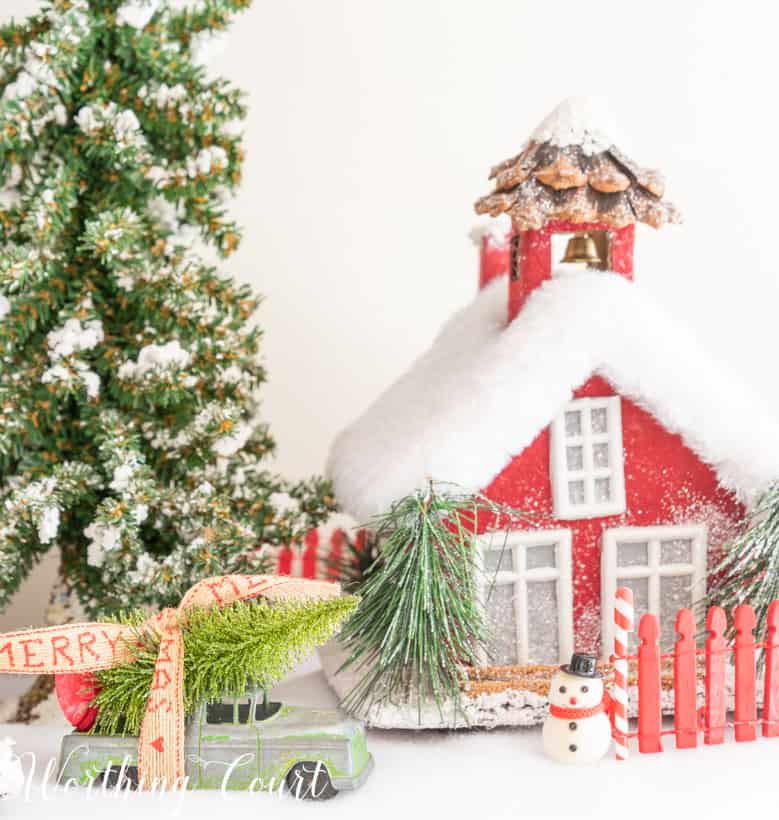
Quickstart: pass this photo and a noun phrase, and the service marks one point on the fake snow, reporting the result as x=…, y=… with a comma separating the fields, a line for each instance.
x=121, y=478
x=144, y=571
x=227, y=446
x=282, y=502
x=91, y=382
x=157, y=175
x=485, y=390
x=13, y=177
x=136, y=13
x=122, y=123
x=141, y=513
x=167, y=95
x=102, y=539
x=10, y=198
x=21, y=88
x=497, y=230
x=48, y=525
x=205, y=488
x=580, y=121
x=231, y=375
x=73, y=337
x=164, y=212
x=37, y=72
x=71, y=375
x=126, y=123
x=213, y=158
x=155, y=357
x=86, y=120
x=37, y=75
x=10, y=195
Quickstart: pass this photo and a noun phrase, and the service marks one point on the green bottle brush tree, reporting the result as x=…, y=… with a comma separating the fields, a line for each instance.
x=225, y=650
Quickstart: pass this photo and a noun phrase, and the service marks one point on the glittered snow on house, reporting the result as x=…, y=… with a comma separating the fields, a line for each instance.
x=564, y=390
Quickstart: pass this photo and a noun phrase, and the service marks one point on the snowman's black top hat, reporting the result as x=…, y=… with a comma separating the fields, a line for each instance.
x=583, y=666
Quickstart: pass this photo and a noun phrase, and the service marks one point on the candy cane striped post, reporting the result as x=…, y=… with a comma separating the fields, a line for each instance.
x=624, y=617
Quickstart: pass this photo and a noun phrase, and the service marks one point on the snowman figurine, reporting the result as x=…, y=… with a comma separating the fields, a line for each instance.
x=578, y=729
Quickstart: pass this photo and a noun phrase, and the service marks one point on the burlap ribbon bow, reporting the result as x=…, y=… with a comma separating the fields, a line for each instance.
x=92, y=646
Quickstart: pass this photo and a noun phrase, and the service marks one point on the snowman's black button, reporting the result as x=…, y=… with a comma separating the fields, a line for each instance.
x=572, y=726
x=572, y=747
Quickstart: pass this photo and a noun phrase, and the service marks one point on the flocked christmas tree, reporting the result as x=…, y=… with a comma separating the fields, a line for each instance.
x=749, y=570
x=128, y=367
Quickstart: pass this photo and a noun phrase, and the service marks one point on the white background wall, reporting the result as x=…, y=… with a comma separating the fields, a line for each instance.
x=372, y=129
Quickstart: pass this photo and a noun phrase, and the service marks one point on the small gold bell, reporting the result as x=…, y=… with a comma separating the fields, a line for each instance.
x=581, y=248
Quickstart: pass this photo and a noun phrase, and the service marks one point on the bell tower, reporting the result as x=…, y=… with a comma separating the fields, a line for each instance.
x=573, y=199
x=536, y=256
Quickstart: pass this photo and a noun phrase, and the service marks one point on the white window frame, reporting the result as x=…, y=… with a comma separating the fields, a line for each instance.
x=611, y=574
x=564, y=509
x=517, y=543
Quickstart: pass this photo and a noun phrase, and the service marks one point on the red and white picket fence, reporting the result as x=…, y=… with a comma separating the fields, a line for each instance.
x=319, y=555
x=711, y=720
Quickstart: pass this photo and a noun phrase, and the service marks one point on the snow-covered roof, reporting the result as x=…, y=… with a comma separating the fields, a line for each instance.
x=483, y=391
x=571, y=169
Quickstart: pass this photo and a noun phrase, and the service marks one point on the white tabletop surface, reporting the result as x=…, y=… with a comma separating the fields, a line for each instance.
x=471, y=774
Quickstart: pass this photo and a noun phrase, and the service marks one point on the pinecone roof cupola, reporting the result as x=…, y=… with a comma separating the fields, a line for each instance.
x=570, y=170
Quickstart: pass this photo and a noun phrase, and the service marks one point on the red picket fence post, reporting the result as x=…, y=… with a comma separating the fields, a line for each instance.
x=333, y=560
x=717, y=655
x=771, y=684
x=649, y=714
x=284, y=565
x=716, y=661
x=310, y=554
x=746, y=690
x=685, y=681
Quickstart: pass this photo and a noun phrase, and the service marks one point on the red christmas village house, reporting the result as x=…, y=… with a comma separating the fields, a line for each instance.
x=565, y=391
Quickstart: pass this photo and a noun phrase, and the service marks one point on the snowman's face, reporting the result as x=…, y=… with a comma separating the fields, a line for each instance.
x=574, y=692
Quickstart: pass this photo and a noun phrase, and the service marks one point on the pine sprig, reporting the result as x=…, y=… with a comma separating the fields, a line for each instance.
x=225, y=651
x=749, y=571
x=205, y=15
x=419, y=622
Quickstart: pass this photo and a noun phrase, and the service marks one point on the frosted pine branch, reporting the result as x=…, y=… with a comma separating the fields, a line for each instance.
x=749, y=571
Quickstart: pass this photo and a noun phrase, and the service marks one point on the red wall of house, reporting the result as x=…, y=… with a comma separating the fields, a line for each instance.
x=666, y=483
x=494, y=259
x=535, y=257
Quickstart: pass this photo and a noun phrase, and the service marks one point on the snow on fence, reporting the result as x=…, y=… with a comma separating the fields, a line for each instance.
x=710, y=720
